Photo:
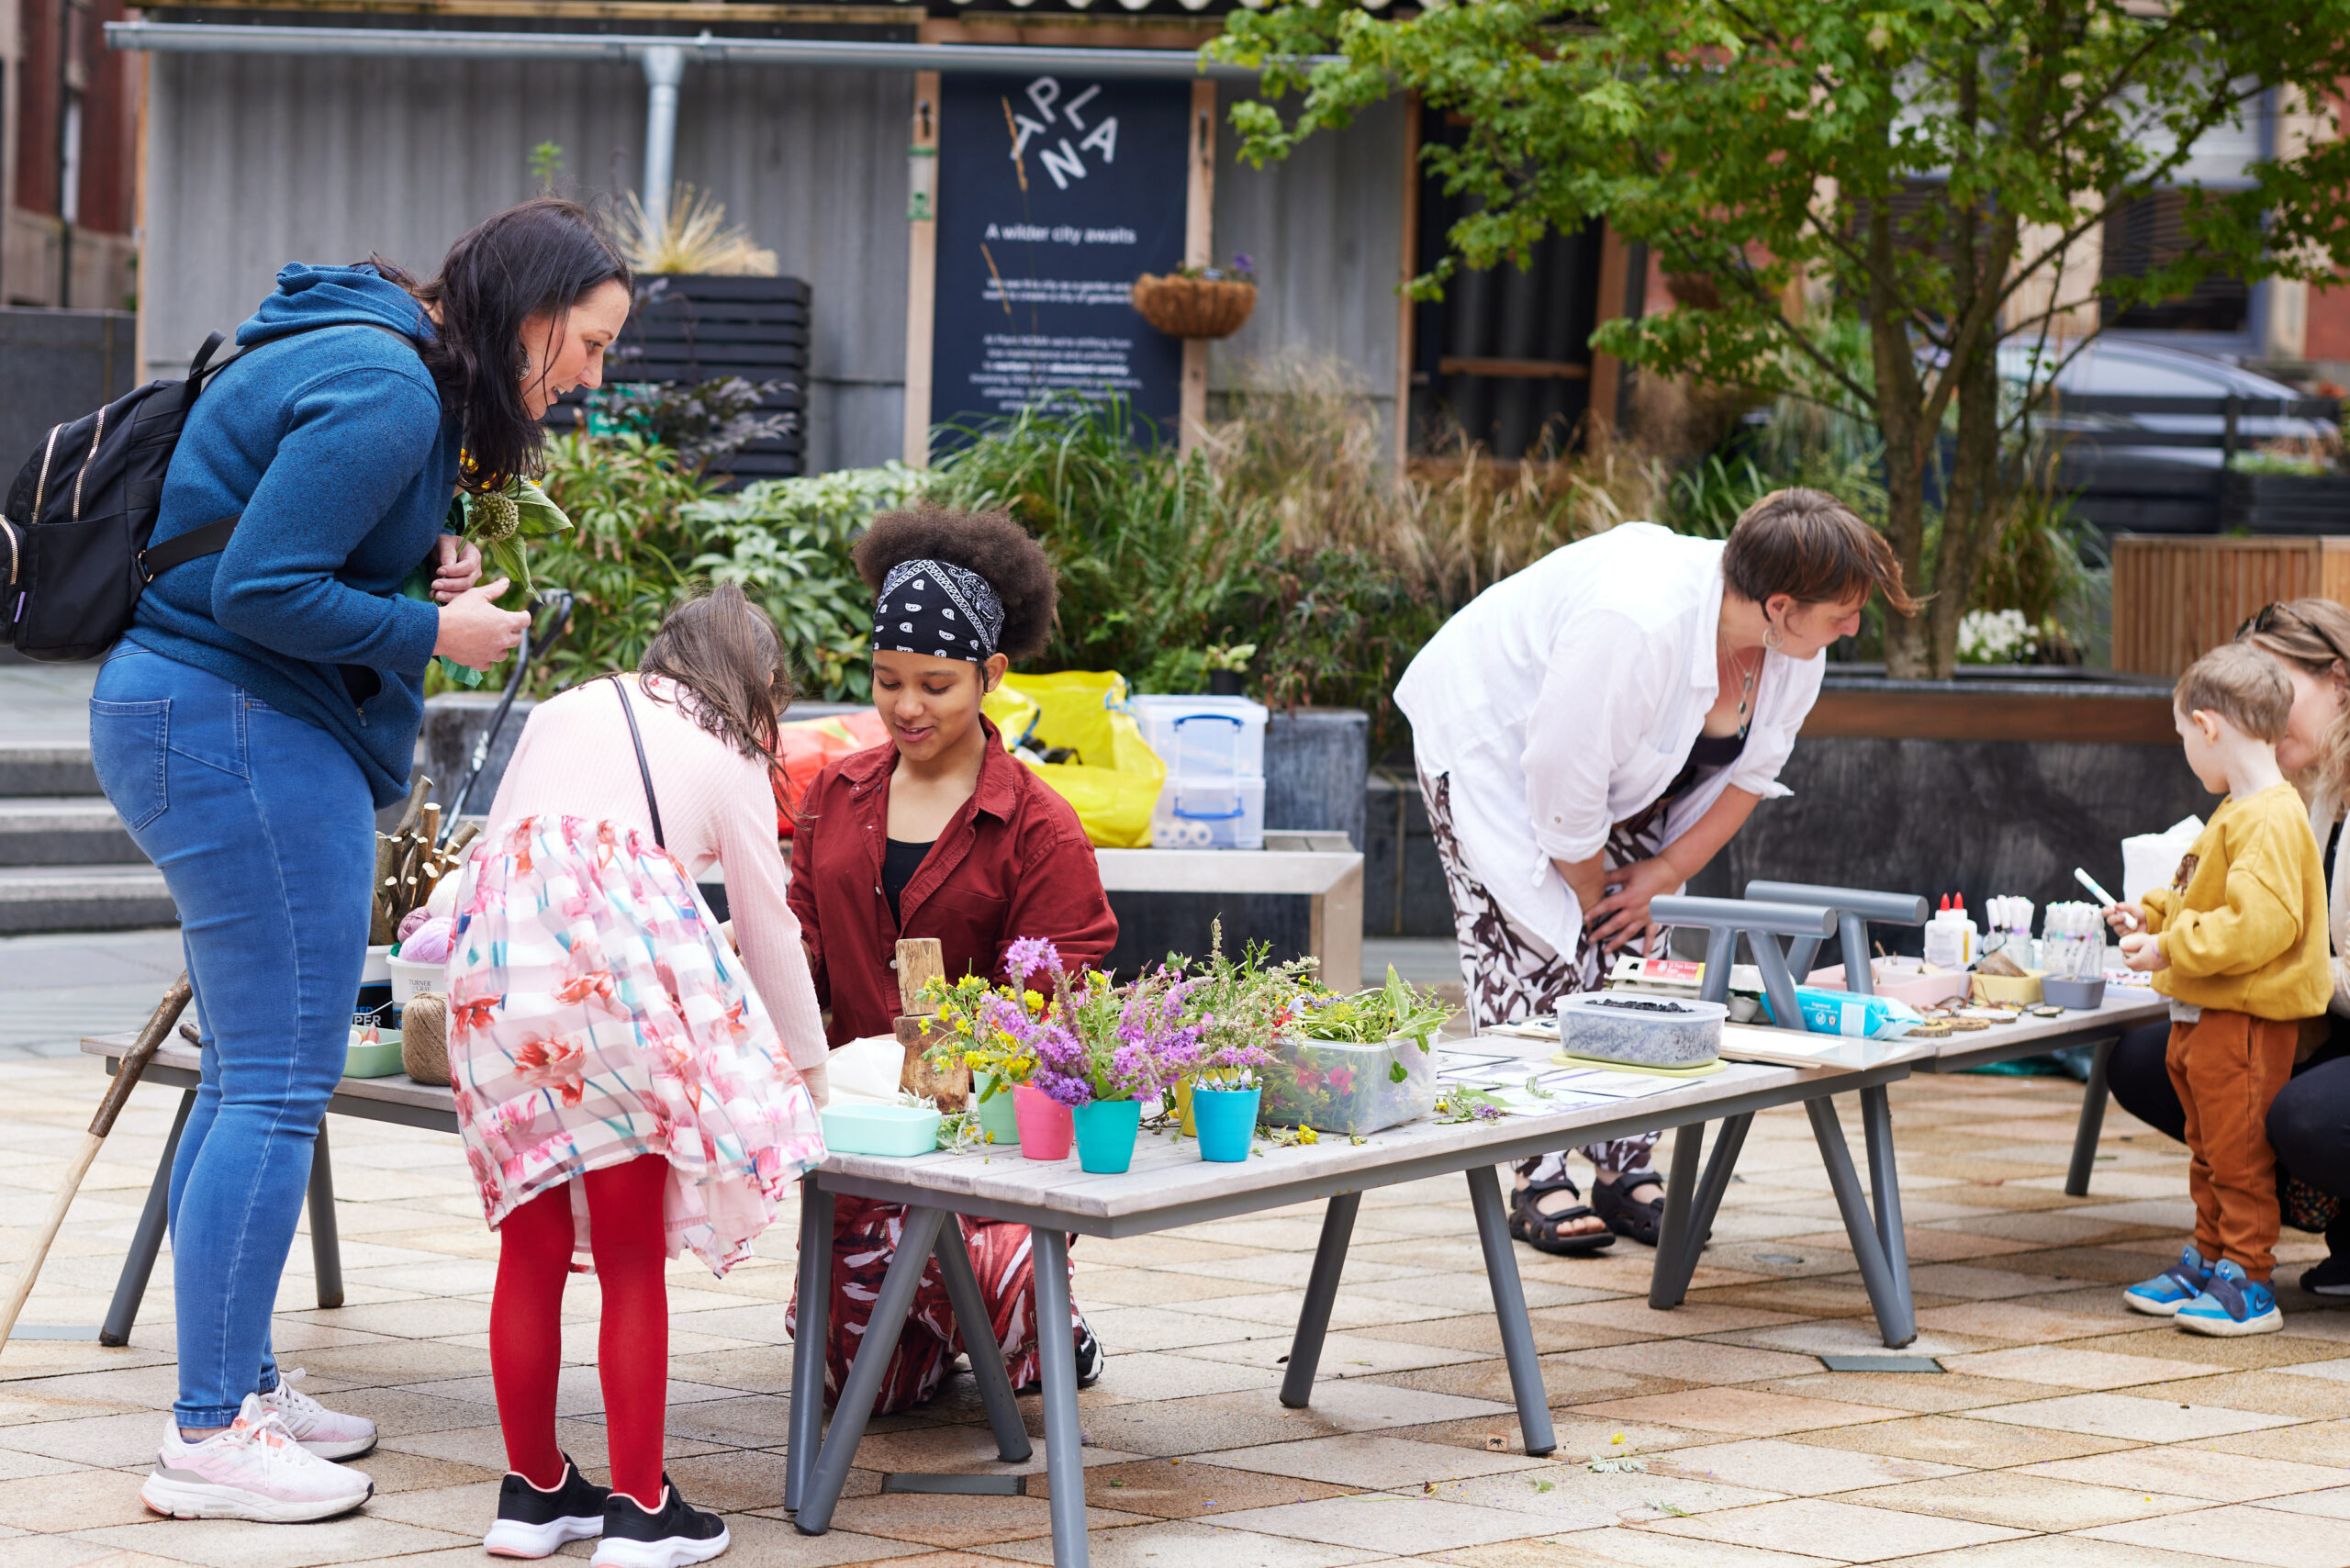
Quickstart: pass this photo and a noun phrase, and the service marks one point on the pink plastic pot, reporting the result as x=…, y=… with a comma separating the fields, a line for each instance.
x=1046, y=1127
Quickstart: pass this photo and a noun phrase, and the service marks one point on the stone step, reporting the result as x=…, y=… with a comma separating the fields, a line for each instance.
x=46, y=768
x=63, y=829
x=82, y=898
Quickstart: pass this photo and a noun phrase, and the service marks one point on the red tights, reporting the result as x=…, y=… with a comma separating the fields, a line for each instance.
x=631, y=1353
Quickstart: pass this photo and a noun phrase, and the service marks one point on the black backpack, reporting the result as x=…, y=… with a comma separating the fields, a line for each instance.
x=77, y=519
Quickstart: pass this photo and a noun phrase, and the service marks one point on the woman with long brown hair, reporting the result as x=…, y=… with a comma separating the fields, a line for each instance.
x=627, y=1086
x=2309, y=1124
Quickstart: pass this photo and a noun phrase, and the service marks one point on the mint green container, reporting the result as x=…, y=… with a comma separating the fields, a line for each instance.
x=898, y=1130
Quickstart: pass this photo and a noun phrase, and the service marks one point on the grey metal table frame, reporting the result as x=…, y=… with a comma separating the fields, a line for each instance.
x=176, y=1067
x=820, y=1458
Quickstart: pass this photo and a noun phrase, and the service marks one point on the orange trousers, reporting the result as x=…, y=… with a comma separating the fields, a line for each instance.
x=2227, y=1067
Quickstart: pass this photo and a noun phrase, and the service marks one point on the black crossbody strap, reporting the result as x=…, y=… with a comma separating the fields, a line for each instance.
x=636, y=738
x=209, y=540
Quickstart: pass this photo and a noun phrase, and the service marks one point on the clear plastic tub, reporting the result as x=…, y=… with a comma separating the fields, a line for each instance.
x=1641, y=1031
x=1206, y=737
x=1335, y=1086
x=1209, y=813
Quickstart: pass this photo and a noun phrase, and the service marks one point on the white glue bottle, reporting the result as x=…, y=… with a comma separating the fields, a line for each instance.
x=1950, y=935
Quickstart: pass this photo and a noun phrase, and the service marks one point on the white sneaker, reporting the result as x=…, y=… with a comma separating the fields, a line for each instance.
x=324, y=1432
x=255, y=1470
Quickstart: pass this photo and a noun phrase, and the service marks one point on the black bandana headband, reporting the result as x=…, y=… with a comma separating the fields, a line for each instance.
x=935, y=607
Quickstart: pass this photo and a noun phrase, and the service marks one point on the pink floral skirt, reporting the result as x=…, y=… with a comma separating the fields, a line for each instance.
x=596, y=1016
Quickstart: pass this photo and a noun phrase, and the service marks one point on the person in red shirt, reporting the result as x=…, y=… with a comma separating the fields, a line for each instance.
x=939, y=833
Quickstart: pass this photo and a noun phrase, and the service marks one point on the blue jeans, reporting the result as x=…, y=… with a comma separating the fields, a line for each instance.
x=263, y=828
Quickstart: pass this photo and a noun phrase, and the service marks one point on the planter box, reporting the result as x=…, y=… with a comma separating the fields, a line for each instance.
x=2043, y=775
x=2286, y=503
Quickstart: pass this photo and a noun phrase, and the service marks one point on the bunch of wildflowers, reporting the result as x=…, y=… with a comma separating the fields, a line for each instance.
x=1102, y=1041
x=1242, y=1005
x=990, y=1028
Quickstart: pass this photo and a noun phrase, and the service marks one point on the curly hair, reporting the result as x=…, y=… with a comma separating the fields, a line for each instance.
x=988, y=543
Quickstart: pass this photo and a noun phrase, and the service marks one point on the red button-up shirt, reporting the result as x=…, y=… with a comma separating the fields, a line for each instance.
x=1012, y=862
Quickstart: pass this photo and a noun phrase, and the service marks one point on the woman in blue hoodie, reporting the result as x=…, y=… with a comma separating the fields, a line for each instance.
x=266, y=704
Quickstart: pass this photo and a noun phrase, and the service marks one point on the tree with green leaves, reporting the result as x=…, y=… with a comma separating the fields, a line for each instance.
x=1930, y=166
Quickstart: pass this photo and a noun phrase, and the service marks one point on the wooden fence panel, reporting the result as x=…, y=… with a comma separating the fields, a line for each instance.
x=2174, y=598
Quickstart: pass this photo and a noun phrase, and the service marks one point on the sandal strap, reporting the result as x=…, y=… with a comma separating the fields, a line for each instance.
x=1546, y=1185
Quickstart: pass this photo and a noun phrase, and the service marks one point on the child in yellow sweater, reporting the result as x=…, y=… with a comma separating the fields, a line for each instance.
x=2238, y=942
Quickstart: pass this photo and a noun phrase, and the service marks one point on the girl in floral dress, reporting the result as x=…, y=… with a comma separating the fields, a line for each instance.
x=628, y=1086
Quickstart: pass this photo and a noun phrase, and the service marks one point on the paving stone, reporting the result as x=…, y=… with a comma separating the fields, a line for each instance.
x=1857, y=1534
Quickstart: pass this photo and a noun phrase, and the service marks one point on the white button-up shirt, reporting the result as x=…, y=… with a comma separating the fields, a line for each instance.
x=1564, y=698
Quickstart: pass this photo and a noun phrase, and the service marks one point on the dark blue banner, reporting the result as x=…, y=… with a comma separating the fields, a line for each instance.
x=1054, y=192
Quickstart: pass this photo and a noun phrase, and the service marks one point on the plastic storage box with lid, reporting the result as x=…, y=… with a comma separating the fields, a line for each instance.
x=1338, y=1086
x=1214, y=751
x=1209, y=813
x=1204, y=736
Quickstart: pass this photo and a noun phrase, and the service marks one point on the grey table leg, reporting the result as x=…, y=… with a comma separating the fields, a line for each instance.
x=1884, y=1186
x=1889, y=1297
x=822, y=1490
x=1509, y=1311
x=1677, y=1252
x=2084, y=1136
x=147, y=1241
x=1321, y=1292
x=807, y=1424
x=1665, y=1289
x=326, y=1243
x=980, y=1344
x=1057, y=1349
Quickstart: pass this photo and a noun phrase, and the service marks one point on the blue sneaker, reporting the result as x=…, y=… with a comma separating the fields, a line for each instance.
x=2162, y=1295
x=2231, y=1304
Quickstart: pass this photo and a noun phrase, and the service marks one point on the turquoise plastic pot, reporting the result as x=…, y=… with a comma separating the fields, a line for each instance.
x=1105, y=1135
x=1226, y=1119
x=996, y=1114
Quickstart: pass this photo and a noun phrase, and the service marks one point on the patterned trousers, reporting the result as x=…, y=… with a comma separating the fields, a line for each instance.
x=1511, y=975
x=865, y=1237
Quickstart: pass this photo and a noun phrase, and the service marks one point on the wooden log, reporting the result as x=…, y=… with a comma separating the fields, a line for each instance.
x=920, y=961
x=950, y=1086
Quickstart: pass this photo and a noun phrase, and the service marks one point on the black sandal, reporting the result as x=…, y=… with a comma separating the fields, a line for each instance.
x=1540, y=1231
x=1641, y=1222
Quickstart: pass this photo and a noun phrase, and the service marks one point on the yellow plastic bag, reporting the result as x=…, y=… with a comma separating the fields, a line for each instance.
x=1116, y=779
x=1014, y=714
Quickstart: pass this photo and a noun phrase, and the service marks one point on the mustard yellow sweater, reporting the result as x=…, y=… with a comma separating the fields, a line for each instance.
x=2244, y=922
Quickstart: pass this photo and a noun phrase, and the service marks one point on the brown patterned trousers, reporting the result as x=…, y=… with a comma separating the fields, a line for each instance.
x=1511, y=975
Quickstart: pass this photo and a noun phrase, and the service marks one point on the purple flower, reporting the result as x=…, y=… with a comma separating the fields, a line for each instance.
x=1027, y=956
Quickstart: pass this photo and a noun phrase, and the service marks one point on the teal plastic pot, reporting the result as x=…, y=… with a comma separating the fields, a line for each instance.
x=1226, y=1119
x=1105, y=1135
x=996, y=1114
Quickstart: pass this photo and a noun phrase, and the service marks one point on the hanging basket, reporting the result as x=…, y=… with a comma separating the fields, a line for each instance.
x=1194, y=306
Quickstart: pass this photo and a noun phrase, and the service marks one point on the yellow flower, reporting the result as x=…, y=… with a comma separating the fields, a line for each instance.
x=1034, y=1000
x=1307, y=1135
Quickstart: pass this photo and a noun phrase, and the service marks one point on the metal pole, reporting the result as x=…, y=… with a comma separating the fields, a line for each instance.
x=665, y=71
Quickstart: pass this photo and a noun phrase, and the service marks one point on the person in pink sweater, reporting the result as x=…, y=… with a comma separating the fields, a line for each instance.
x=627, y=1086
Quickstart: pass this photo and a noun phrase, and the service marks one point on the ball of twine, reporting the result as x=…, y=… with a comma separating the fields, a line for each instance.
x=424, y=1038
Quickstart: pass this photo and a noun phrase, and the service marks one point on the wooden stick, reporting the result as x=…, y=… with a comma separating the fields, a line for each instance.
x=416, y=794
x=125, y=1078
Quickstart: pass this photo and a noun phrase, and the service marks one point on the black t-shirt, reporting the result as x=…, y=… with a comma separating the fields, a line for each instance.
x=900, y=861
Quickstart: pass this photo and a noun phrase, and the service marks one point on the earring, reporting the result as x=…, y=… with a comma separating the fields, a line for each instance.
x=1773, y=639
x=526, y=362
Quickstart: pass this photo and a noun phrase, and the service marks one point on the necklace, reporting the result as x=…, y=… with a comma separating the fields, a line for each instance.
x=1747, y=672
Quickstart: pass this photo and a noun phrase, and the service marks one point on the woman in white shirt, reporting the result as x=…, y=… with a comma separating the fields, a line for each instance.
x=1589, y=733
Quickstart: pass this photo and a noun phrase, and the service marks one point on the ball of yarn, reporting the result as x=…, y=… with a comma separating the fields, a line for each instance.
x=424, y=1038
x=413, y=919
x=428, y=943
